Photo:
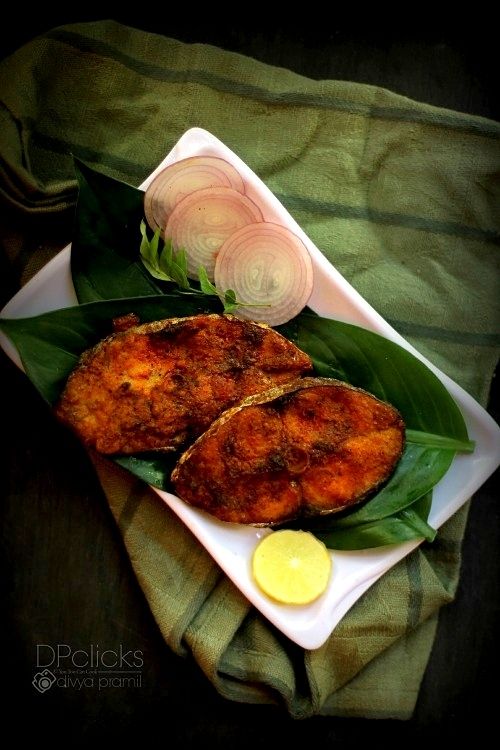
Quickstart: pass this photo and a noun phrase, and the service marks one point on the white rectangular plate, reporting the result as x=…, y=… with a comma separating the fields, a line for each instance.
x=232, y=545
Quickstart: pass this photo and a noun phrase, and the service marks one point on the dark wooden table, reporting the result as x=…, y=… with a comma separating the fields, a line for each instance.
x=65, y=574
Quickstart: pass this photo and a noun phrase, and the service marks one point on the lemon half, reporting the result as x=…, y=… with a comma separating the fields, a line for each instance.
x=292, y=567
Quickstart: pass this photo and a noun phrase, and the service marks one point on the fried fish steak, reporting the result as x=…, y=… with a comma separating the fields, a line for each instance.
x=311, y=447
x=156, y=386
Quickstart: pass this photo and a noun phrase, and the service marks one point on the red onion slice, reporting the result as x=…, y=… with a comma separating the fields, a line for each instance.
x=180, y=179
x=266, y=264
x=202, y=222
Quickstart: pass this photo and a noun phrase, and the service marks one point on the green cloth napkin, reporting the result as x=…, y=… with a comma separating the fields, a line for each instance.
x=402, y=199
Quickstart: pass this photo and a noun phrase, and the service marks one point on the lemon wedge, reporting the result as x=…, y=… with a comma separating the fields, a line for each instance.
x=292, y=567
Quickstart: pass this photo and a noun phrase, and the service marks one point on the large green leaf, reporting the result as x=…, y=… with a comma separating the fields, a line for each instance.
x=104, y=256
x=409, y=524
x=153, y=468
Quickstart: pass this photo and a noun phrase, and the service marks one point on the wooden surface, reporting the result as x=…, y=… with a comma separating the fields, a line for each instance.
x=66, y=577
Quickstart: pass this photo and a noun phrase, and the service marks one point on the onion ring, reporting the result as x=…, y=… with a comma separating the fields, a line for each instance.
x=180, y=179
x=203, y=221
x=270, y=271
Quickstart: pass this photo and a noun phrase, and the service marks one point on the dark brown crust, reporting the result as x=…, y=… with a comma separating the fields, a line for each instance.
x=159, y=385
x=310, y=447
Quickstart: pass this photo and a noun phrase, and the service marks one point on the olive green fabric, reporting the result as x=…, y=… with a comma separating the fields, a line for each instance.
x=402, y=197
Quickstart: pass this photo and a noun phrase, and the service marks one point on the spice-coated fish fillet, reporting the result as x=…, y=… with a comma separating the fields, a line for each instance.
x=306, y=448
x=157, y=385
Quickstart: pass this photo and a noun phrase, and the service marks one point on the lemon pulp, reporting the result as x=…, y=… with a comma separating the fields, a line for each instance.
x=292, y=567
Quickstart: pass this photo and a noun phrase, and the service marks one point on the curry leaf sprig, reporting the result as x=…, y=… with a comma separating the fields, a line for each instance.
x=228, y=298
x=163, y=263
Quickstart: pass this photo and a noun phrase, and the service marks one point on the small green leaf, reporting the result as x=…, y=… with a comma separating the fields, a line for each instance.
x=391, y=530
x=179, y=275
x=410, y=523
x=440, y=441
x=229, y=301
x=422, y=528
x=154, y=243
x=149, y=255
x=205, y=284
x=166, y=257
x=154, y=468
x=145, y=248
x=423, y=505
x=156, y=272
x=180, y=259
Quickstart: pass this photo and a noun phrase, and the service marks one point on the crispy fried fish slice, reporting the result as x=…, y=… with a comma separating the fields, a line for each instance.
x=157, y=385
x=306, y=448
